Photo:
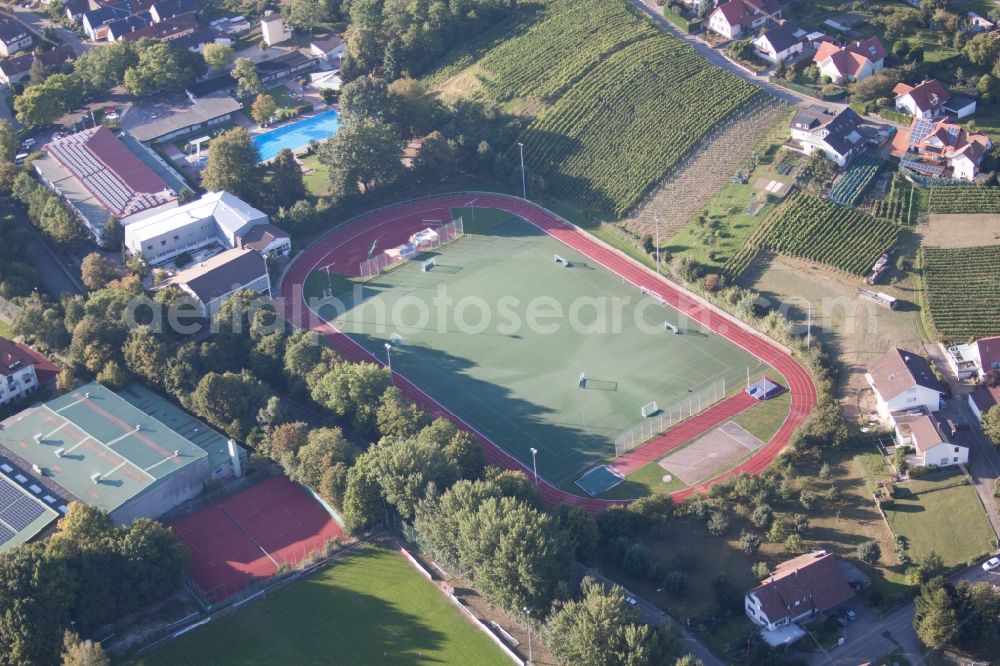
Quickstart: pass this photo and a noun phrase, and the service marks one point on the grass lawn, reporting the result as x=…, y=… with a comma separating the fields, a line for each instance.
x=352, y=613
x=514, y=378
x=317, y=179
x=941, y=514
x=4, y=328
x=647, y=480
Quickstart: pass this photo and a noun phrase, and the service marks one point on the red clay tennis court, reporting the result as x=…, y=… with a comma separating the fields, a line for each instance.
x=244, y=538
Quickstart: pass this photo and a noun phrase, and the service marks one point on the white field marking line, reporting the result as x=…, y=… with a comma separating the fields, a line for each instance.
x=722, y=428
x=444, y=201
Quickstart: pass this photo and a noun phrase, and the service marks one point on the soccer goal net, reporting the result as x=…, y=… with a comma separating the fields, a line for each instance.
x=657, y=421
x=419, y=242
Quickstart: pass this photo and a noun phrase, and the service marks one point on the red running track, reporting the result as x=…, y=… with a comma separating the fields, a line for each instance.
x=396, y=223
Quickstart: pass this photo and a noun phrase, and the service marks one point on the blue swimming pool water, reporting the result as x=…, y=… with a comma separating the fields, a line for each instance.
x=297, y=135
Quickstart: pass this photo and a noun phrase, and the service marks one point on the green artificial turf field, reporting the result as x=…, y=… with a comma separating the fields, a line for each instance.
x=354, y=612
x=461, y=332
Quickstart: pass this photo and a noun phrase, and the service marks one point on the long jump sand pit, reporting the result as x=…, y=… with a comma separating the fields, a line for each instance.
x=729, y=443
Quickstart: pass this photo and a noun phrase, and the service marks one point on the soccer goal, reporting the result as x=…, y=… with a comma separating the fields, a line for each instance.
x=667, y=326
x=649, y=409
x=561, y=260
x=429, y=264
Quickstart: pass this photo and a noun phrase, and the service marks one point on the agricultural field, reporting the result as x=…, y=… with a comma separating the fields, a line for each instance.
x=964, y=200
x=852, y=185
x=817, y=230
x=960, y=291
x=596, y=76
x=901, y=204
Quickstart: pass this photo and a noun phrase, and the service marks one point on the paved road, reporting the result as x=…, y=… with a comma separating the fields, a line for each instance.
x=715, y=57
x=38, y=22
x=893, y=633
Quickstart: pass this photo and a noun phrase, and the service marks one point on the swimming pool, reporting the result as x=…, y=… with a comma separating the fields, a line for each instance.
x=297, y=135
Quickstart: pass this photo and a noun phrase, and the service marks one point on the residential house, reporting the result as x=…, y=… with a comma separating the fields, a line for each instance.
x=780, y=43
x=975, y=359
x=14, y=36
x=798, y=589
x=903, y=381
x=166, y=30
x=75, y=9
x=739, y=18
x=197, y=40
x=983, y=399
x=217, y=218
x=18, y=68
x=924, y=100
x=853, y=62
x=273, y=29
x=161, y=10
x=95, y=21
x=838, y=136
x=213, y=281
x=979, y=24
x=329, y=48
x=942, y=149
x=22, y=371
x=926, y=436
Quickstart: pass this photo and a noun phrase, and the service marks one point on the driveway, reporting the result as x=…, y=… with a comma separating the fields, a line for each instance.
x=38, y=22
x=984, y=459
x=871, y=637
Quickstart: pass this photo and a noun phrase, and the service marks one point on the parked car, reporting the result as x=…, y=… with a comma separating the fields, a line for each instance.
x=632, y=601
x=850, y=615
x=991, y=564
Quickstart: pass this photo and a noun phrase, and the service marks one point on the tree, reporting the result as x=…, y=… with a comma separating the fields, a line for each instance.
x=580, y=527
x=247, y=80
x=414, y=110
x=77, y=652
x=740, y=49
x=41, y=324
x=287, y=185
x=230, y=401
x=232, y=165
x=352, y=390
x=145, y=354
x=363, y=503
x=398, y=417
x=263, y=109
x=516, y=554
x=218, y=56
x=869, y=552
x=407, y=470
x=96, y=271
x=991, y=424
x=158, y=68
x=57, y=222
x=366, y=96
x=100, y=70
x=718, y=523
x=985, y=86
x=8, y=142
x=438, y=518
x=436, y=160
x=595, y=630
x=324, y=448
x=306, y=15
x=364, y=152
x=935, y=620
x=750, y=542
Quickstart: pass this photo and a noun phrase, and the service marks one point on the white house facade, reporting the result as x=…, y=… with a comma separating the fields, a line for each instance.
x=902, y=382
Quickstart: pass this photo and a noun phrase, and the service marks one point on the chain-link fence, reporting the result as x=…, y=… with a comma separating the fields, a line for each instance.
x=422, y=241
x=667, y=418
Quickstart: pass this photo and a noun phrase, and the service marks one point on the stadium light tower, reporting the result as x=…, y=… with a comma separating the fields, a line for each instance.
x=524, y=182
x=528, y=612
x=534, y=464
x=388, y=358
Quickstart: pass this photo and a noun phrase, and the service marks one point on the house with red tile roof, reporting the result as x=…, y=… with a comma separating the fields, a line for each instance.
x=22, y=371
x=941, y=149
x=924, y=100
x=853, y=62
x=737, y=18
x=798, y=589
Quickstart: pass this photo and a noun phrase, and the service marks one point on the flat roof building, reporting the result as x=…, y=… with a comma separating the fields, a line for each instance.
x=166, y=118
x=98, y=448
x=213, y=281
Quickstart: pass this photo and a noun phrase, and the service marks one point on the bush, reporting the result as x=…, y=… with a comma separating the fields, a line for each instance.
x=675, y=582
x=761, y=516
x=638, y=561
x=869, y=552
x=182, y=259
x=718, y=523
x=750, y=542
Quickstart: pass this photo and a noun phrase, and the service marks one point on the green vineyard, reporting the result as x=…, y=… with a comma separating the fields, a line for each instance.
x=619, y=102
x=960, y=291
x=964, y=200
x=815, y=229
x=901, y=204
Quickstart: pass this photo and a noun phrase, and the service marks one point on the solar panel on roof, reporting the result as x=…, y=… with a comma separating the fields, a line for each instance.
x=8, y=494
x=5, y=535
x=22, y=513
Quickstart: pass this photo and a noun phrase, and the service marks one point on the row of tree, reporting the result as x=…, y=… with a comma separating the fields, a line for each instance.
x=89, y=573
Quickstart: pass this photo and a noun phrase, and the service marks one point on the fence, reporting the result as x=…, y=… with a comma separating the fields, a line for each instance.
x=667, y=418
x=384, y=260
